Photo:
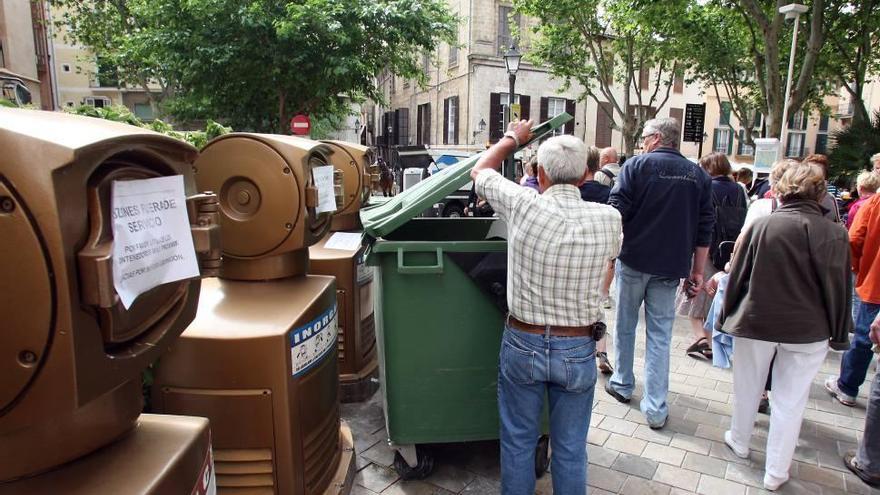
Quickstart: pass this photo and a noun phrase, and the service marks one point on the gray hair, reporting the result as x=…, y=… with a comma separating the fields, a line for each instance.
x=875, y=158
x=563, y=158
x=667, y=128
x=609, y=155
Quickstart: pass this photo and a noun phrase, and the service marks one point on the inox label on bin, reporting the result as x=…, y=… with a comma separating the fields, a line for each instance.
x=312, y=341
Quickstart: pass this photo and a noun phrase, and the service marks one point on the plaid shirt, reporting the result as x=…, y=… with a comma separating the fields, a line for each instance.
x=558, y=248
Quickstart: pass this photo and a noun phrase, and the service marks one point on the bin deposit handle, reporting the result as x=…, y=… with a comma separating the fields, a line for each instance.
x=419, y=270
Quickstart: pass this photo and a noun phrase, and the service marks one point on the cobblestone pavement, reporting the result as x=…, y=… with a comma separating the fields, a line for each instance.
x=626, y=457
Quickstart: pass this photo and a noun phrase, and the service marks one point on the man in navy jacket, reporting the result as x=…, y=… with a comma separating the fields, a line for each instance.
x=665, y=201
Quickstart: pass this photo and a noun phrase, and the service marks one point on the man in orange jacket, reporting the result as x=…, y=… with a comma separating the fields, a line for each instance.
x=864, y=241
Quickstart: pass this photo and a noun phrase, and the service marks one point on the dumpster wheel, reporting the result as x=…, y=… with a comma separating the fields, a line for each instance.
x=542, y=456
x=423, y=468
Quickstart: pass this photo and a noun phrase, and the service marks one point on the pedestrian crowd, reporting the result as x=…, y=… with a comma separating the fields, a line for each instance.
x=770, y=273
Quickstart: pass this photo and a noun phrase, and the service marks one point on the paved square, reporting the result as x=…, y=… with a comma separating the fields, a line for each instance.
x=627, y=457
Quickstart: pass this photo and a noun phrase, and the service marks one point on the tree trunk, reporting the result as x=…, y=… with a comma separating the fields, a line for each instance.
x=630, y=136
x=282, y=112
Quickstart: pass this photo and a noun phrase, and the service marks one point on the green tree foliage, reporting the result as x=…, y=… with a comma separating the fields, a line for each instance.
x=604, y=46
x=853, y=147
x=850, y=54
x=119, y=113
x=256, y=63
x=713, y=50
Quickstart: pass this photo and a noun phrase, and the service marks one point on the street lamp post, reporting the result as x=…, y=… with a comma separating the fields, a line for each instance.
x=481, y=126
x=791, y=11
x=511, y=61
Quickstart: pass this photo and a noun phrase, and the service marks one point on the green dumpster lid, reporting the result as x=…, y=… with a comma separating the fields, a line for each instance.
x=382, y=219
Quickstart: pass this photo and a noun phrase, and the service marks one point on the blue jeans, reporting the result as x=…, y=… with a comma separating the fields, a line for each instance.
x=532, y=367
x=658, y=294
x=855, y=362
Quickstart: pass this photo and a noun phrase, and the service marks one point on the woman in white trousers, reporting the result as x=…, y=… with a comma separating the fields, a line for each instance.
x=787, y=294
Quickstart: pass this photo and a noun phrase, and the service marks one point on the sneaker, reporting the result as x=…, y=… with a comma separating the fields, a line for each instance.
x=834, y=390
x=772, y=483
x=849, y=460
x=658, y=426
x=616, y=394
x=728, y=440
x=764, y=406
x=604, y=364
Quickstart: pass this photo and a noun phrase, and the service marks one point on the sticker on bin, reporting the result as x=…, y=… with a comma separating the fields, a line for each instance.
x=312, y=341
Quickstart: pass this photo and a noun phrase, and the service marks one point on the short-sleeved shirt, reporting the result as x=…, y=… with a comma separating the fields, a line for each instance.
x=558, y=248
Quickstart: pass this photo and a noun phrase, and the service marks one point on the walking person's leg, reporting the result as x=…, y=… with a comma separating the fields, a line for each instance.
x=573, y=382
x=659, y=318
x=521, y=387
x=793, y=371
x=751, y=365
x=631, y=285
x=865, y=463
x=856, y=361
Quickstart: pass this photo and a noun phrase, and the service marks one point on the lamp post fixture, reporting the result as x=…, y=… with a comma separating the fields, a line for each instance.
x=791, y=11
x=511, y=61
x=481, y=126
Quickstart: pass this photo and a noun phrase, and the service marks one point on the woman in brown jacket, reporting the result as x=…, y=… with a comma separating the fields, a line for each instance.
x=787, y=294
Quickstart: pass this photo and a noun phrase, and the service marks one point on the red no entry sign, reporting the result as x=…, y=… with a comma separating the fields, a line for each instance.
x=300, y=125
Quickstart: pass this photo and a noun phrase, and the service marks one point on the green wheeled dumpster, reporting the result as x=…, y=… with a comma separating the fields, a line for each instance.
x=439, y=310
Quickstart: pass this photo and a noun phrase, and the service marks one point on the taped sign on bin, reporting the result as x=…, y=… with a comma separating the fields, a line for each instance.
x=312, y=341
x=152, y=243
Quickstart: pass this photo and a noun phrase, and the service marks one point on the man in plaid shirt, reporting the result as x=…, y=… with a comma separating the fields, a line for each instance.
x=558, y=248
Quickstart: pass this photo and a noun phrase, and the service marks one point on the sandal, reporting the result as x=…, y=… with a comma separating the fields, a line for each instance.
x=700, y=349
x=604, y=364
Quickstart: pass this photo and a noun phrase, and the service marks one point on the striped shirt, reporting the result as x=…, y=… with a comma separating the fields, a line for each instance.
x=558, y=248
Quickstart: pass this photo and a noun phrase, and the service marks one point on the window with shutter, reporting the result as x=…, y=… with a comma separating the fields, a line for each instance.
x=505, y=22
x=446, y=121
x=525, y=103
x=604, y=124
x=724, y=115
x=644, y=78
x=423, y=131
x=402, y=126
x=496, y=117
x=569, y=109
x=677, y=114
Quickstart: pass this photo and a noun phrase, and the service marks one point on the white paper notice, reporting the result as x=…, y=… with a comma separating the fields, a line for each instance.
x=324, y=182
x=347, y=241
x=152, y=243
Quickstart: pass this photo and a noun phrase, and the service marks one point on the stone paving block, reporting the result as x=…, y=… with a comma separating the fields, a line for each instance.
x=701, y=382
x=605, y=478
x=711, y=394
x=745, y=475
x=705, y=464
x=597, y=436
x=691, y=444
x=635, y=465
x=831, y=460
x=677, y=477
x=636, y=416
x=710, y=485
x=415, y=488
x=482, y=486
x=613, y=409
x=595, y=419
x=857, y=486
x=359, y=490
x=682, y=425
x=820, y=476
x=722, y=451
x=820, y=417
x=692, y=402
x=450, y=477
x=637, y=486
x=619, y=426
x=628, y=445
x=664, y=454
x=663, y=437
x=682, y=388
x=707, y=418
x=725, y=409
x=724, y=387
x=851, y=423
x=361, y=462
x=710, y=432
x=381, y=454
x=601, y=456
x=376, y=478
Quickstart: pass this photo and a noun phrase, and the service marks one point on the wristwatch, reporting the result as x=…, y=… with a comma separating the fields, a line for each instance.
x=512, y=135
